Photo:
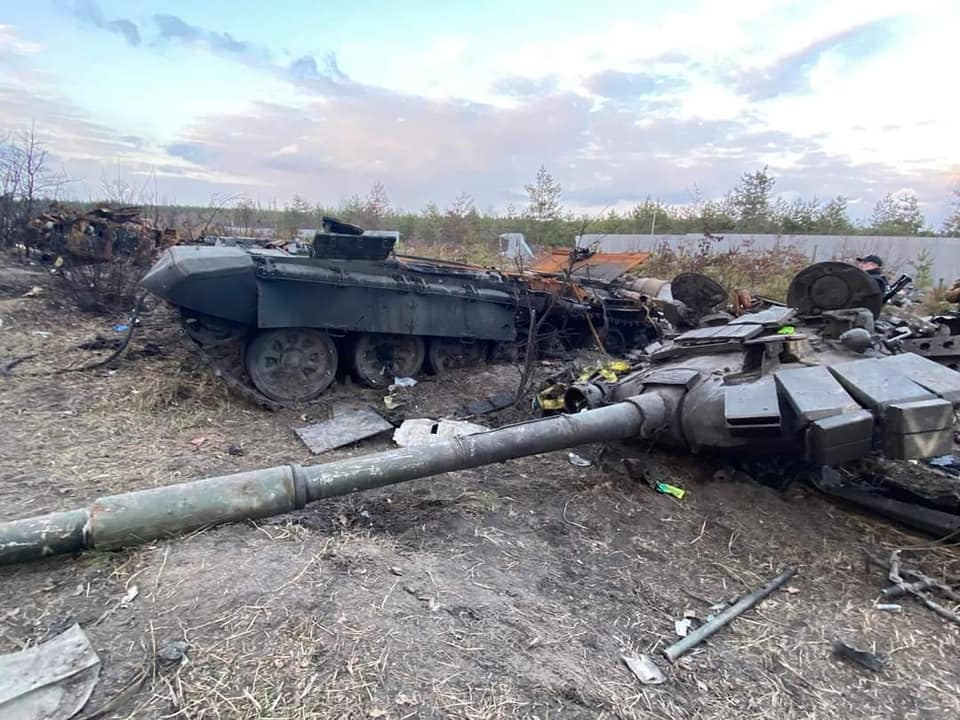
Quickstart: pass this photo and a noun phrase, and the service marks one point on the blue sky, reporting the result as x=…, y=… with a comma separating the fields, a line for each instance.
x=619, y=100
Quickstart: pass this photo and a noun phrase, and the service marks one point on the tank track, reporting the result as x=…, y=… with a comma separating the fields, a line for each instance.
x=221, y=347
x=225, y=357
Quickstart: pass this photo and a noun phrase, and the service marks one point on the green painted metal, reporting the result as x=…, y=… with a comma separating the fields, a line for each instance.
x=132, y=518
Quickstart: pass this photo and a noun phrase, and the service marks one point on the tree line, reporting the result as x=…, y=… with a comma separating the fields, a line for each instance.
x=27, y=185
x=750, y=207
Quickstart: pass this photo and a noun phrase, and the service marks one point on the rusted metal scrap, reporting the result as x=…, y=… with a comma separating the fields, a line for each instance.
x=100, y=235
x=588, y=300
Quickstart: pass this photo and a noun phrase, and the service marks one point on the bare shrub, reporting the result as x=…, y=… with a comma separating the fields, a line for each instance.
x=25, y=179
x=102, y=287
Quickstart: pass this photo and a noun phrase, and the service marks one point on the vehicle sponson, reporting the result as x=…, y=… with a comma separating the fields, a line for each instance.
x=385, y=297
x=215, y=281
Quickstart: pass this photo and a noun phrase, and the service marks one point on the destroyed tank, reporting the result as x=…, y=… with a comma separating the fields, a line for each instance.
x=810, y=381
x=278, y=326
x=289, y=322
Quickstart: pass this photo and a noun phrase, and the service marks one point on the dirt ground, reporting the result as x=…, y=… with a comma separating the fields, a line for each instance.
x=501, y=592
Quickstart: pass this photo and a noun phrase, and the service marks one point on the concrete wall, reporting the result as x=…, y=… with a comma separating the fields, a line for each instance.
x=897, y=252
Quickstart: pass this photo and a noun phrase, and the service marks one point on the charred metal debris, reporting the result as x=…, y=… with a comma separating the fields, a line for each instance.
x=99, y=235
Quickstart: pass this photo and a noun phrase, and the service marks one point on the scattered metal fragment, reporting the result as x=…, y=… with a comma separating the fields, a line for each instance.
x=904, y=588
x=884, y=501
x=743, y=604
x=423, y=431
x=173, y=651
x=132, y=592
x=935, y=522
x=50, y=681
x=918, y=587
x=868, y=660
x=645, y=669
x=343, y=429
x=579, y=460
x=889, y=607
x=495, y=402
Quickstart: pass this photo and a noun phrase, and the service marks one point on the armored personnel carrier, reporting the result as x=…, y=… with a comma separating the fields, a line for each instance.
x=278, y=326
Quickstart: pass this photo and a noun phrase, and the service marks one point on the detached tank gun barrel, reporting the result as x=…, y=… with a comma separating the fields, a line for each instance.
x=136, y=517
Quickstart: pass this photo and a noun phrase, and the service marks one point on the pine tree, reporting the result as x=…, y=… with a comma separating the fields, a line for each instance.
x=951, y=226
x=897, y=214
x=750, y=202
x=832, y=218
x=544, y=196
x=376, y=207
x=544, y=211
x=296, y=215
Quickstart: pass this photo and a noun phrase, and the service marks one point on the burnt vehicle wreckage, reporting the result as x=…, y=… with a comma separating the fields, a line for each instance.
x=812, y=379
x=278, y=326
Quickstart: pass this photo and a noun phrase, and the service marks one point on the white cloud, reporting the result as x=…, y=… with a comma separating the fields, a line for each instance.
x=675, y=108
x=11, y=43
x=896, y=107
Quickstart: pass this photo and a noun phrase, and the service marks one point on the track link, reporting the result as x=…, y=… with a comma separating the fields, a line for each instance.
x=225, y=357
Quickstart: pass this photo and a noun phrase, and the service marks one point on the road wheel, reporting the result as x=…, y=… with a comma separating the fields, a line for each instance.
x=614, y=343
x=291, y=365
x=378, y=357
x=445, y=354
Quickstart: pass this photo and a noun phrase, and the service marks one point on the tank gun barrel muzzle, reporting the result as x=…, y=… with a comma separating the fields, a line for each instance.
x=136, y=517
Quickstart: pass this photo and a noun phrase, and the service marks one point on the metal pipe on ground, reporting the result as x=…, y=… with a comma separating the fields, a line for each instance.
x=738, y=608
x=136, y=517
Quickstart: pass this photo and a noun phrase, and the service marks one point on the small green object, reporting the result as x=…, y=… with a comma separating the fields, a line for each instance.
x=786, y=330
x=671, y=490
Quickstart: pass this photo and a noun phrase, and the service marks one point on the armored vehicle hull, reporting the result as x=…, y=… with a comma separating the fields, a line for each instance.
x=288, y=323
x=279, y=327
